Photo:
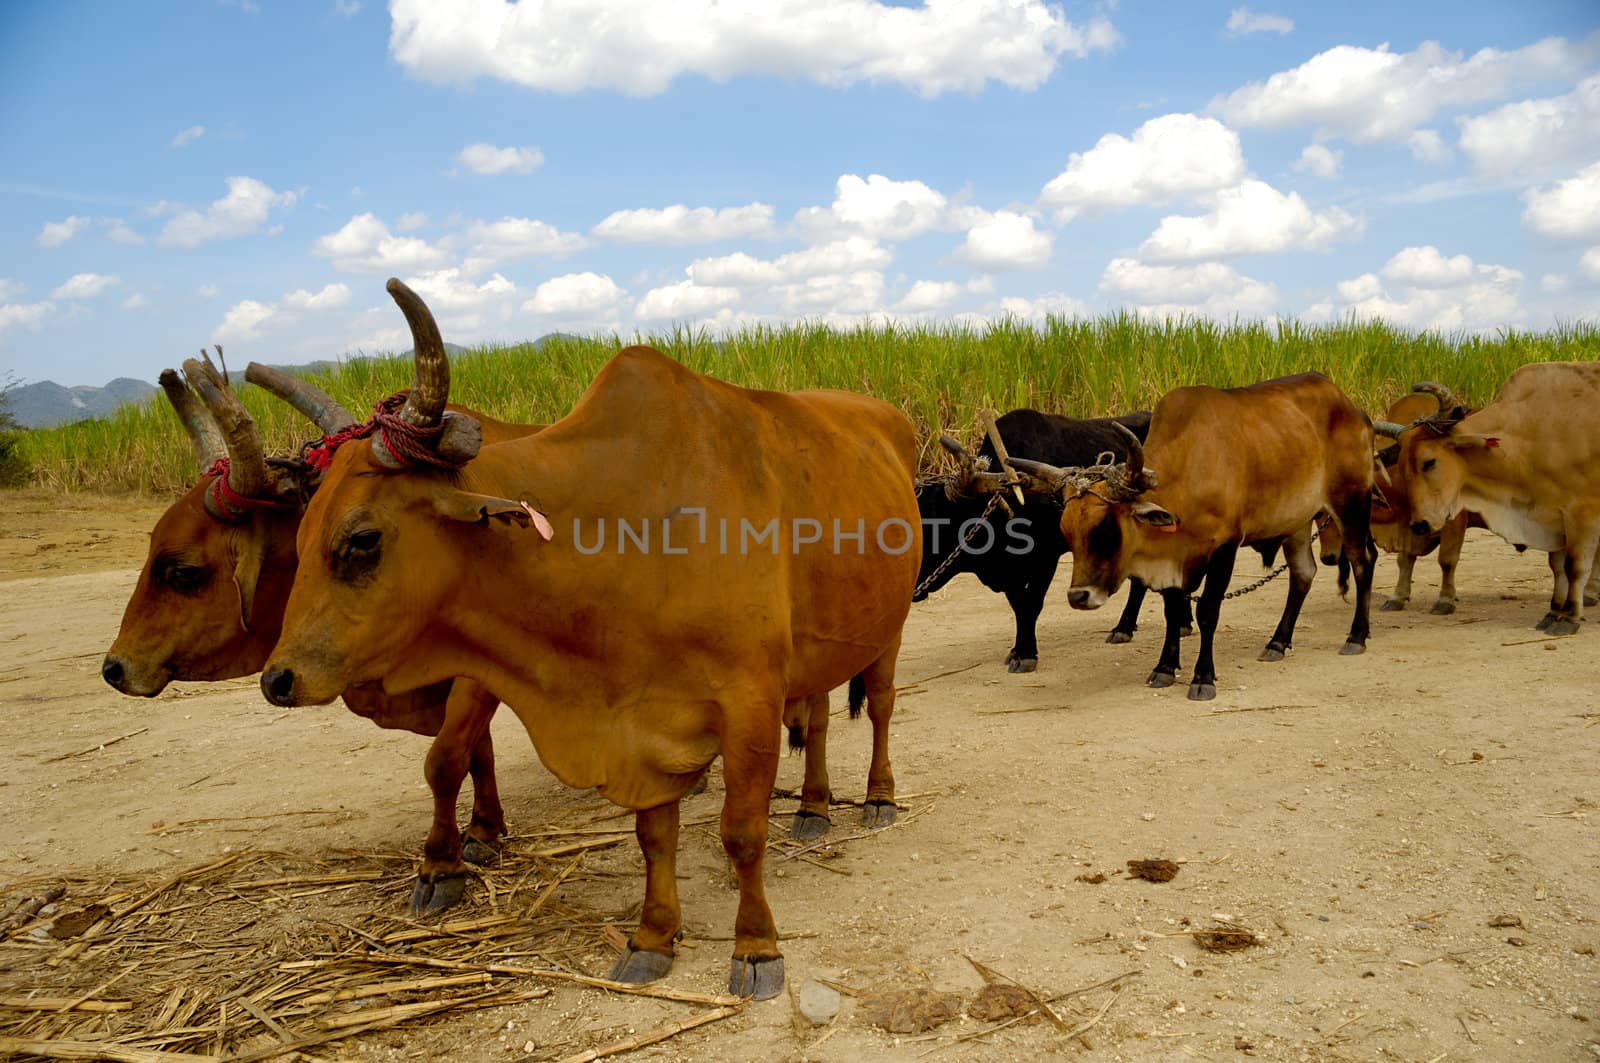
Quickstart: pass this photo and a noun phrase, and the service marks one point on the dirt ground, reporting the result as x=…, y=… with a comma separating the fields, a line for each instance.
x=1367, y=817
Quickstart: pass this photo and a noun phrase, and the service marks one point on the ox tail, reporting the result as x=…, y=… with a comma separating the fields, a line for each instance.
x=1344, y=576
x=858, y=695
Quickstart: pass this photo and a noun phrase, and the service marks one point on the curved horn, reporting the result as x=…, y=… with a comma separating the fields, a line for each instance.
x=1388, y=428
x=1135, y=453
x=197, y=421
x=312, y=402
x=247, y=467
x=1441, y=394
x=431, y=388
x=1051, y=474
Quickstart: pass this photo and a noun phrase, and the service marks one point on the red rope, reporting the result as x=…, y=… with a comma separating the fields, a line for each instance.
x=231, y=502
x=408, y=443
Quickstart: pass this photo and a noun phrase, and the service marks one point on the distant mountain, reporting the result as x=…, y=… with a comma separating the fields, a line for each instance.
x=47, y=404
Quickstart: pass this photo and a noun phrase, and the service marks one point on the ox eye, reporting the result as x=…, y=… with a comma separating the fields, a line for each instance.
x=365, y=542
x=1427, y=466
x=185, y=579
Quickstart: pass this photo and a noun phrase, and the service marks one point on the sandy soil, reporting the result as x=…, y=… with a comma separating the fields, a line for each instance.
x=1366, y=816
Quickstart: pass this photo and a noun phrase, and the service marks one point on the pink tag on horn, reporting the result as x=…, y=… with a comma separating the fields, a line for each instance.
x=540, y=522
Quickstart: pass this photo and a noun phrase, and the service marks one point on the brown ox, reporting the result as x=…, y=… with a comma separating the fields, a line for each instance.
x=1248, y=466
x=1391, y=513
x=631, y=666
x=209, y=605
x=1529, y=464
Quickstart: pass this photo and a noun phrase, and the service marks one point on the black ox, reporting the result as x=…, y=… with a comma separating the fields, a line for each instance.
x=1019, y=559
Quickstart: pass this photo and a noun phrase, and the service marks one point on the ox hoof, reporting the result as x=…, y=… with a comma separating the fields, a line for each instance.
x=756, y=977
x=636, y=966
x=435, y=895
x=1022, y=664
x=1562, y=626
x=1393, y=605
x=1352, y=649
x=478, y=852
x=1160, y=679
x=1273, y=652
x=808, y=825
x=1443, y=607
x=1546, y=620
x=1202, y=691
x=1185, y=631
x=875, y=815
x=1117, y=638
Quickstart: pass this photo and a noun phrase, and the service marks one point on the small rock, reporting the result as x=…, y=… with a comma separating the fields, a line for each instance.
x=1500, y=921
x=818, y=1003
x=1421, y=925
x=1518, y=942
x=1147, y=816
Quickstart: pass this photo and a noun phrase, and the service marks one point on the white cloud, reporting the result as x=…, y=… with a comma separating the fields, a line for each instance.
x=1428, y=146
x=452, y=290
x=491, y=161
x=639, y=49
x=1425, y=267
x=679, y=224
x=84, y=286
x=1207, y=289
x=1242, y=21
x=1432, y=292
x=1320, y=161
x=1568, y=210
x=118, y=232
x=136, y=301
x=1171, y=157
x=742, y=270
x=881, y=209
x=1005, y=240
x=1373, y=94
x=188, y=136
x=513, y=239
x=365, y=245
x=1590, y=264
x=10, y=289
x=684, y=299
x=24, y=315
x=330, y=297
x=926, y=295
x=1535, y=138
x=244, y=210
x=56, y=233
x=1252, y=219
x=414, y=220
x=1555, y=283
x=347, y=8
x=833, y=294
x=1051, y=304
x=575, y=293
x=244, y=320
x=207, y=291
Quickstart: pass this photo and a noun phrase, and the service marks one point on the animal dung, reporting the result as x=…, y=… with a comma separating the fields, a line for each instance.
x=1505, y=921
x=911, y=1010
x=1093, y=880
x=1152, y=870
x=997, y=1001
x=1228, y=937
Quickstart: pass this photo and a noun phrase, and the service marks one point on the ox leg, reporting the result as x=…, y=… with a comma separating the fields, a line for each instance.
x=1026, y=602
x=442, y=879
x=1175, y=603
x=1219, y=570
x=1451, y=539
x=1128, y=622
x=1558, y=590
x=879, y=808
x=1583, y=537
x=811, y=820
x=481, y=845
x=749, y=766
x=650, y=949
x=1362, y=553
x=1591, y=590
x=1302, y=570
x=1402, y=585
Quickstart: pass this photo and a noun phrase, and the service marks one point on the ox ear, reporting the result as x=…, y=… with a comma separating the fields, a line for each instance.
x=249, y=550
x=1153, y=515
x=1469, y=442
x=469, y=508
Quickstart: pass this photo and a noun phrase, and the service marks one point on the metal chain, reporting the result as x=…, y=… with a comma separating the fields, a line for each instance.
x=972, y=530
x=1270, y=576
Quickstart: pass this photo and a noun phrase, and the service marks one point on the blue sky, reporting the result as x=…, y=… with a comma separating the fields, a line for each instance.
x=251, y=171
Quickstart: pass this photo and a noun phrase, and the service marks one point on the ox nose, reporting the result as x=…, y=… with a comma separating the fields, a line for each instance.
x=113, y=672
x=1078, y=599
x=278, y=685
x=1421, y=527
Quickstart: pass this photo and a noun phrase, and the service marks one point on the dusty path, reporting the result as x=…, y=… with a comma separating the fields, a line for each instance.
x=1367, y=816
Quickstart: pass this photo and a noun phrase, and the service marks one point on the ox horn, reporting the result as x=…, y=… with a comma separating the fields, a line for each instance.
x=247, y=464
x=1051, y=475
x=1441, y=394
x=1388, y=428
x=431, y=387
x=311, y=401
x=197, y=421
x=1135, y=455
